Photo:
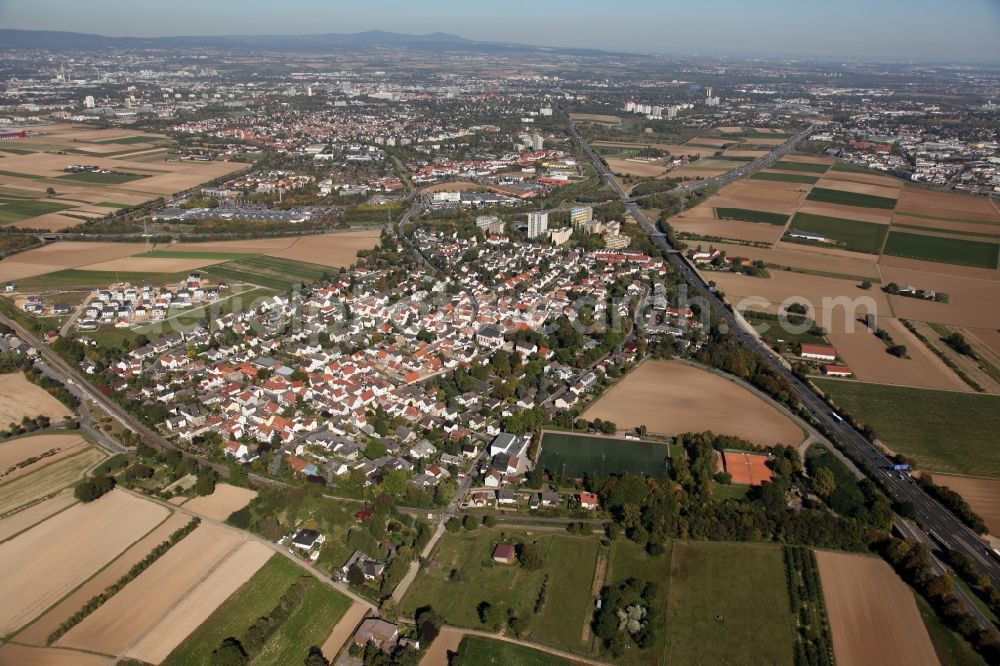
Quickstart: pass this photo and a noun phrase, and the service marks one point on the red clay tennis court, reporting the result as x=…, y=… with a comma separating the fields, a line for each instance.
x=749, y=469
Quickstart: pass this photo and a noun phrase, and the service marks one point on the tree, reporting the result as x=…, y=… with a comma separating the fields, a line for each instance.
x=489, y=521
x=899, y=351
x=428, y=624
x=51, y=191
x=230, y=653
x=531, y=556
x=470, y=523
x=824, y=482
x=355, y=577
x=490, y=615
x=453, y=525
x=205, y=484
x=866, y=285
x=315, y=657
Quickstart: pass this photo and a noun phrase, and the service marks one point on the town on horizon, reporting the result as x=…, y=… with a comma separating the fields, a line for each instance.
x=393, y=347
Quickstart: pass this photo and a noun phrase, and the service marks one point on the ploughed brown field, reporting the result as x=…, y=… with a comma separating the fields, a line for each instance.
x=821, y=260
x=748, y=231
x=40, y=656
x=873, y=616
x=670, y=397
x=52, y=558
x=983, y=495
x=222, y=502
x=969, y=298
x=861, y=188
x=947, y=204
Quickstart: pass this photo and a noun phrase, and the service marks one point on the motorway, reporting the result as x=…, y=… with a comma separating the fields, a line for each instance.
x=933, y=517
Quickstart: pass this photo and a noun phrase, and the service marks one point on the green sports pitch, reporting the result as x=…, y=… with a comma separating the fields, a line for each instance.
x=577, y=456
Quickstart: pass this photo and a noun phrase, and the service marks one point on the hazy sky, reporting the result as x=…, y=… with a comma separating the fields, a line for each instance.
x=899, y=29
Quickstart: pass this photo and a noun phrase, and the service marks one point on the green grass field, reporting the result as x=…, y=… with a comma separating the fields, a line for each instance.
x=255, y=598
x=271, y=272
x=15, y=210
x=944, y=431
x=942, y=250
x=579, y=455
x=785, y=177
x=748, y=215
x=102, y=178
x=569, y=562
x=111, y=204
x=845, y=198
x=476, y=650
x=800, y=166
x=743, y=583
x=126, y=140
x=854, y=235
x=74, y=277
x=630, y=560
x=15, y=174
x=950, y=648
x=309, y=624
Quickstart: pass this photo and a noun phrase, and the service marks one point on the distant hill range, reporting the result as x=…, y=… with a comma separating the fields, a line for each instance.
x=438, y=41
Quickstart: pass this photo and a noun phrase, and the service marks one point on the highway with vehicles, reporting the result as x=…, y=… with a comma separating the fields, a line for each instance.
x=933, y=517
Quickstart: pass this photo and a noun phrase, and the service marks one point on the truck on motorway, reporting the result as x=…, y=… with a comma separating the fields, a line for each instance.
x=836, y=417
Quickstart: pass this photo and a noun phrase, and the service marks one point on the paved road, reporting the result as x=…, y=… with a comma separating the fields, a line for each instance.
x=934, y=518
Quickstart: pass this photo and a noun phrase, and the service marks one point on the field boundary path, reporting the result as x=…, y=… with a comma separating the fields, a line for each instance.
x=600, y=572
x=449, y=632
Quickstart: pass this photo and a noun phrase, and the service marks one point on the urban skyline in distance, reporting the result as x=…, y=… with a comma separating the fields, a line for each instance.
x=892, y=30
x=527, y=333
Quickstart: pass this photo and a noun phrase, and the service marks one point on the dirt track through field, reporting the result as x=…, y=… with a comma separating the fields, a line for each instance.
x=446, y=642
x=343, y=630
x=873, y=616
x=600, y=572
x=669, y=397
x=54, y=557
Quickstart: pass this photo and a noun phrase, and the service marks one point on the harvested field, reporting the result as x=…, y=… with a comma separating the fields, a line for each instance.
x=748, y=231
x=986, y=342
x=969, y=366
x=784, y=177
x=673, y=398
x=745, y=153
x=345, y=629
x=808, y=159
x=983, y=495
x=873, y=616
x=136, y=609
x=54, y=557
x=696, y=171
x=867, y=357
x=864, y=178
x=971, y=272
x=15, y=451
x=947, y=205
x=815, y=291
x=336, y=250
x=58, y=256
x=780, y=196
x=222, y=502
x=846, y=212
x=966, y=296
x=983, y=230
x=144, y=264
x=53, y=478
x=808, y=258
x=196, y=607
x=636, y=168
x=39, y=631
x=19, y=398
x=839, y=184
x=708, y=141
x=39, y=656
x=36, y=513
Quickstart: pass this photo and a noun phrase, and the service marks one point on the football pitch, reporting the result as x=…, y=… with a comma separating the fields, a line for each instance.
x=577, y=456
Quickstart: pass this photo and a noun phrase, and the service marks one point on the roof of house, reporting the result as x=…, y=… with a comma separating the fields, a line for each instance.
x=306, y=537
x=504, y=551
